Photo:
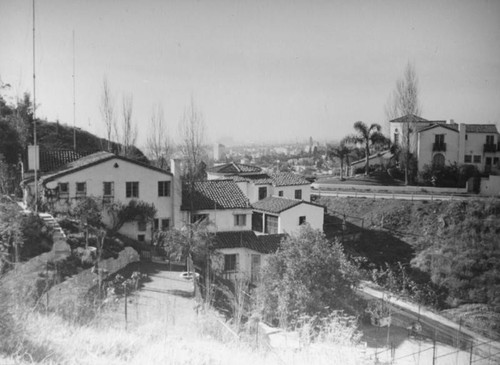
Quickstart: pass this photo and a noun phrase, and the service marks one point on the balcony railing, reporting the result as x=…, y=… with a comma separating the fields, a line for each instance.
x=490, y=147
x=439, y=147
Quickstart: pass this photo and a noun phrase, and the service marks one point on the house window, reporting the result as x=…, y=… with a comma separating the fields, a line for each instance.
x=396, y=138
x=298, y=194
x=490, y=140
x=257, y=222
x=495, y=160
x=438, y=160
x=466, y=137
x=141, y=226
x=240, y=220
x=81, y=189
x=63, y=190
x=108, y=193
x=477, y=158
x=280, y=193
x=141, y=237
x=271, y=224
x=231, y=262
x=468, y=158
x=262, y=192
x=156, y=224
x=132, y=189
x=302, y=220
x=197, y=218
x=439, y=139
x=163, y=188
x=165, y=223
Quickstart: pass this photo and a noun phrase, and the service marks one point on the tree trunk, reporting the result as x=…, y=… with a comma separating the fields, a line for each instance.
x=367, y=163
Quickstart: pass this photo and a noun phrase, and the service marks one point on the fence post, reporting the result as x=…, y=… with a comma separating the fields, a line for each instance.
x=434, y=349
x=126, y=321
x=471, y=351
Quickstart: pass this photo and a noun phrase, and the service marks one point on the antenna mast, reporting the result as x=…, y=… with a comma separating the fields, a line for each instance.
x=34, y=116
x=74, y=96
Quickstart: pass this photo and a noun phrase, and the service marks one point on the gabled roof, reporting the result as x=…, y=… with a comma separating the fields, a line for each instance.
x=402, y=119
x=481, y=128
x=451, y=127
x=92, y=160
x=277, y=205
x=234, y=168
x=275, y=179
x=248, y=239
x=214, y=194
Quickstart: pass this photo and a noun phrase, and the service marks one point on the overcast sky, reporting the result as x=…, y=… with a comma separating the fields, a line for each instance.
x=258, y=70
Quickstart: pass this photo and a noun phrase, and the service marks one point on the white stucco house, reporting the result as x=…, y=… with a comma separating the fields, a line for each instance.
x=111, y=178
x=257, y=185
x=227, y=212
x=276, y=215
x=444, y=142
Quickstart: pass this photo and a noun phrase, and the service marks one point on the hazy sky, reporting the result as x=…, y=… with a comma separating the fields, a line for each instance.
x=258, y=70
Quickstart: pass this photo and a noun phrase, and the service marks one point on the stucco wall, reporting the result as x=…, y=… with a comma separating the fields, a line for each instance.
x=289, y=219
x=490, y=186
x=426, y=140
x=94, y=177
x=289, y=191
x=244, y=269
x=223, y=220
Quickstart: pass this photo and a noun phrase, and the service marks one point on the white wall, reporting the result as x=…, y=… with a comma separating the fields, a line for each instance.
x=289, y=219
x=244, y=262
x=426, y=141
x=289, y=191
x=94, y=177
x=223, y=220
x=490, y=186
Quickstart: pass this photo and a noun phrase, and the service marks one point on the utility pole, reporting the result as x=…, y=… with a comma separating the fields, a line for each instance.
x=74, y=96
x=34, y=117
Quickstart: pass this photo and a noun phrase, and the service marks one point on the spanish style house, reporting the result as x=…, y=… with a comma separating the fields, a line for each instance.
x=113, y=178
x=444, y=141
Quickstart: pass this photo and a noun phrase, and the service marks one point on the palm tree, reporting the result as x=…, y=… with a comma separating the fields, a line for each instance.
x=342, y=152
x=367, y=136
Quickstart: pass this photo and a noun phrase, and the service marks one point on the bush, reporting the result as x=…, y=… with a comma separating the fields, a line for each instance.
x=308, y=275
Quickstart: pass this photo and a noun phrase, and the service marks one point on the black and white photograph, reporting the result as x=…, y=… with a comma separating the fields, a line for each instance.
x=210, y=182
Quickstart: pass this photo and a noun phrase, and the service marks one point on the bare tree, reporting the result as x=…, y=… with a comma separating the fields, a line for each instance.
x=404, y=102
x=107, y=111
x=192, y=133
x=129, y=129
x=159, y=144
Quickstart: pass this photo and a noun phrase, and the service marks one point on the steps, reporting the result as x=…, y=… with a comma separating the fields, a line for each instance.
x=51, y=222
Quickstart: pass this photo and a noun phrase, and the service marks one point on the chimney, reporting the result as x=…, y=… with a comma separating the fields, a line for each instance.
x=450, y=121
x=175, y=169
x=461, y=143
x=33, y=157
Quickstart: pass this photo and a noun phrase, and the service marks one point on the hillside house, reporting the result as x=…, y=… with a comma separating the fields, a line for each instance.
x=443, y=142
x=113, y=178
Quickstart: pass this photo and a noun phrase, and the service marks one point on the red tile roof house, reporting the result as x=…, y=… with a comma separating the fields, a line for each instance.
x=113, y=178
x=228, y=212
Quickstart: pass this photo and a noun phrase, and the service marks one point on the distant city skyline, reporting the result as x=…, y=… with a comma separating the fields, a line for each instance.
x=258, y=71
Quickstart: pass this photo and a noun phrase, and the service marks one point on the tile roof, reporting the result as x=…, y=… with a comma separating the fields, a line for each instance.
x=52, y=160
x=288, y=179
x=402, y=119
x=215, y=194
x=234, y=168
x=248, y=239
x=481, y=128
x=276, y=205
x=91, y=160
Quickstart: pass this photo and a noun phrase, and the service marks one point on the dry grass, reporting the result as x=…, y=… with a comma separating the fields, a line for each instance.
x=152, y=343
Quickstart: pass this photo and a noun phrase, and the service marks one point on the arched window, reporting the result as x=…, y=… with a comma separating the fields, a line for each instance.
x=438, y=160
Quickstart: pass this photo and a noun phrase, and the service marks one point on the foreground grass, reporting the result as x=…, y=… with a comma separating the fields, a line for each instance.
x=152, y=343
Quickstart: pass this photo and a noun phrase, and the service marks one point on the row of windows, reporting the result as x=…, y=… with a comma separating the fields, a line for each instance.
x=269, y=223
x=263, y=193
x=131, y=189
x=471, y=158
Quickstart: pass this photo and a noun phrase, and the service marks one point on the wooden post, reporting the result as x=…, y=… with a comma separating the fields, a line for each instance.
x=125, y=290
x=434, y=349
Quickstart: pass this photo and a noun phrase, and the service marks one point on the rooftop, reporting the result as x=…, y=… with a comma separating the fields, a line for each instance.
x=248, y=239
x=234, y=168
x=481, y=128
x=277, y=205
x=214, y=194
